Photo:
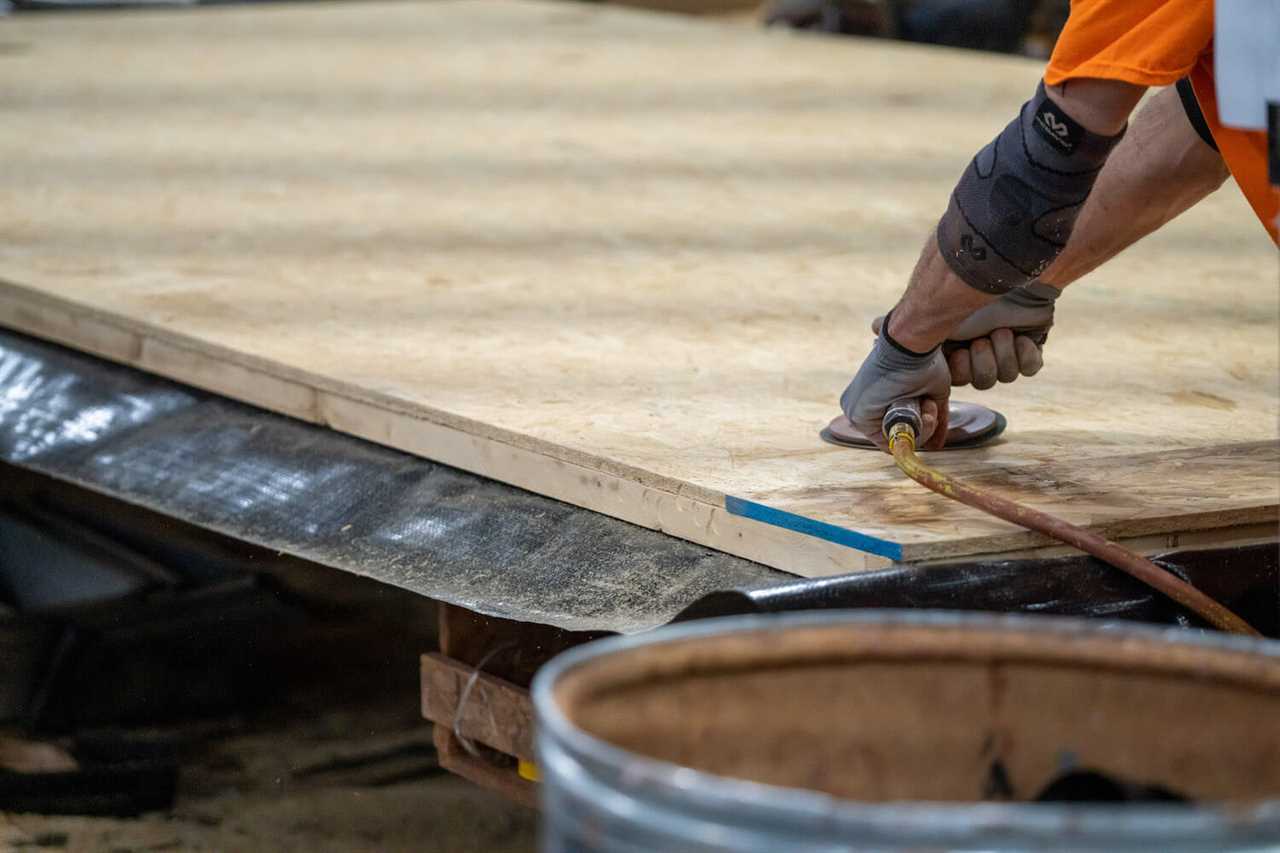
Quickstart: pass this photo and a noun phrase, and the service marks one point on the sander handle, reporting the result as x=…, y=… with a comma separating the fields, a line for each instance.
x=1039, y=336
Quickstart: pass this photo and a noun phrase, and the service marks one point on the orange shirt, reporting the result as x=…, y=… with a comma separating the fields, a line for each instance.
x=1157, y=43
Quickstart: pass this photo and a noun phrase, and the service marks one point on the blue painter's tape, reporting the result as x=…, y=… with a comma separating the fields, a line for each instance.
x=809, y=527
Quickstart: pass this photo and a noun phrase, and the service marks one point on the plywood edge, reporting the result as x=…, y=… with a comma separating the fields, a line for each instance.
x=786, y=541
x=811, y=527
x=262, y=382
x=679, y=512
x=1212, y=527
x=1150, y=545
x=690, y=518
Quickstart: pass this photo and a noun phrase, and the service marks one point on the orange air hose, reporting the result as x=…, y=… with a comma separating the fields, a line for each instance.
x=902, y=444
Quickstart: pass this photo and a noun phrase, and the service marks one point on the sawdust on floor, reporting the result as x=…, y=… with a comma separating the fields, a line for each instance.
x=345, y=780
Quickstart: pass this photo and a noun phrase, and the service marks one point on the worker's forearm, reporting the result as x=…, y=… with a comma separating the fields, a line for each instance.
x=1102, y=106
x=936, y=301
x=1160, y=169
x=1014, y=208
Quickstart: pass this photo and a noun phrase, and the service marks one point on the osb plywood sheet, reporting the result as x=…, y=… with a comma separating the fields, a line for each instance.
x=624, y=259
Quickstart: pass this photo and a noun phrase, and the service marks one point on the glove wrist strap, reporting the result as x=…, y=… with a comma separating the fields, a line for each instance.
x=912, y=354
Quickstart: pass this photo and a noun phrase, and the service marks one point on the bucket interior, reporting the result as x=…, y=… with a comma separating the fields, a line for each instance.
x=878, y=712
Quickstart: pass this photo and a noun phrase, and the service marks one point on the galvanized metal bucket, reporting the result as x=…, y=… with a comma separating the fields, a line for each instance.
x=891, y=730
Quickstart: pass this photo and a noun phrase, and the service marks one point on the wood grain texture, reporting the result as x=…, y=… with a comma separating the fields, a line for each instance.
x=497, y=713
x=622, y=259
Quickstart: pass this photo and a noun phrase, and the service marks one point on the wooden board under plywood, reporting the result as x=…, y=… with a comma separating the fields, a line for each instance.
x=623, y=259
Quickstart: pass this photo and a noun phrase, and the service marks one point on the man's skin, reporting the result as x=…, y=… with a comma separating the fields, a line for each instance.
x=1161, y=168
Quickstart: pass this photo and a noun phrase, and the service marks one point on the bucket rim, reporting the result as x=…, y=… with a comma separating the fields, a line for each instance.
x=709, y=793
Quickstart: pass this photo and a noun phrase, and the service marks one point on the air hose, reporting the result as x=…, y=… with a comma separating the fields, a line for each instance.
x=902, y=424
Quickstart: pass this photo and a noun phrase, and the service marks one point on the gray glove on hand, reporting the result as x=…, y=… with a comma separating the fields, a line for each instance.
x=1002, y=340
x=890, y=373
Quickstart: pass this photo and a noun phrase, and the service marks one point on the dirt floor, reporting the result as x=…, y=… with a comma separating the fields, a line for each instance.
x=354, y=779
x=338, y=758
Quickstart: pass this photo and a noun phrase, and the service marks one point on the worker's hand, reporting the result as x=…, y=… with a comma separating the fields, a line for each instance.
x=891, y=373
x=1001, y=340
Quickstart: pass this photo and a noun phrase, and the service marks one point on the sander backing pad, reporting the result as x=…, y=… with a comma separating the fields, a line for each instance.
x=969, y=425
